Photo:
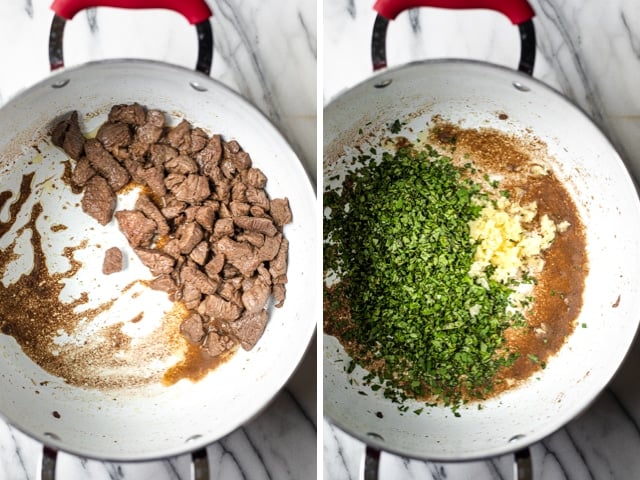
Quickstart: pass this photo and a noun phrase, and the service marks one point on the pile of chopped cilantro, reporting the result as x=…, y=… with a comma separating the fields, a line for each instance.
x=397, y=236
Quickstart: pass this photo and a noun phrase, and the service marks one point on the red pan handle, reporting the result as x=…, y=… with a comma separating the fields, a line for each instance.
x=195, y=11
x=518, y=11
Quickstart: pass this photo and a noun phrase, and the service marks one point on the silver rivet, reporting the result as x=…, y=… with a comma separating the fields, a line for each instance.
x=61, y=83
x=197, y=87
x=515, y=438
x=193, y=437
x=375, y=435
x=383, y=83
x=520, y=86
x=51, y=435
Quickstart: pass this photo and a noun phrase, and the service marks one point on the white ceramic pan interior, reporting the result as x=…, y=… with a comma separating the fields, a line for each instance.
x=473, y=94
x=152, y=420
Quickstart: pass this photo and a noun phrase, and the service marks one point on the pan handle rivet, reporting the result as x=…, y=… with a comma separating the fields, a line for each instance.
x=193, y=437
x=197, y=87
x=383, y=83
x=51, y=435
x=61, y=83
x=375, y=435
x=521, y=87
x=516, y=438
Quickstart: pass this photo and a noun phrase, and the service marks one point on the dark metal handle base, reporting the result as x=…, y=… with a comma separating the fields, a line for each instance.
x=203, y=29
x=199, y=464
x=527, y=45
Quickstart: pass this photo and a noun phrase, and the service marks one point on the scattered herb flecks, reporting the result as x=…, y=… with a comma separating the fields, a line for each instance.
x=397, y=236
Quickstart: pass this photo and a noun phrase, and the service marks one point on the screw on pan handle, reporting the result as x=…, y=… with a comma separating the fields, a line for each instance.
x=518, y=11
x=196, y=12
x=199, y=464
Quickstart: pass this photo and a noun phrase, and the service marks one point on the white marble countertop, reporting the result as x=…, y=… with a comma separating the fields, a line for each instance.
x=589, y=51
x=267, y=53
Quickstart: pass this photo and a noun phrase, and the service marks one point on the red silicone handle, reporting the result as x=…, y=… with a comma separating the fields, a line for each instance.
x=195, y=11
x=518, y=11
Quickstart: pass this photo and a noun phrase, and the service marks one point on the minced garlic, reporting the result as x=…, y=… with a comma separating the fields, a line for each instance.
x=509, y=240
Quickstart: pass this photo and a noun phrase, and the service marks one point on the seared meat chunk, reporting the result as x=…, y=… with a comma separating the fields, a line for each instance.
x=149, y=132
x=209, y=157
x=114, y=135
x=160, y=154
x=82, y=173
x=150, y=210
x=253, y=224
x=154, y=179
x=192, y=328
x=137, y=228
x=249, y=328
x=98, y=200
x=255, y=297
x=181, y=164
x=256, y=178
x=216, y=344
x=194, y=189
x=156, y=261
x=68, y=136
x=218, y=309
x=239, y=254
x=280, y=211
x=188, y=235
x=112, y=261
x=164, y=283
x=132, y=114
x=180, y=136
x=278, y=266
x=190, y=274
x=107, y=166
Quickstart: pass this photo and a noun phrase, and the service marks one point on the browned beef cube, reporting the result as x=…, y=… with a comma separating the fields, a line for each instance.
x=242, y=161
x=138, y=229
x=239, y=192
x=218, y=309
x=216, y=344
x=190, y=274
x=156, y=261
x=200, y=253
x=112, y=261
x=68, y=136
x=254, y=238
x=278, y=266
x=192, y=328
x=114, y=135
x=239, y=209
x=209, y=157
x=270, y=248
x=153, y=177
x=252, y=224
x=150, y=210
x=258, y=197
x=199, y=140
x=131, y=114
x=249, y=328
x=256, y=178
x=98, y=200
x=279, y=294
x=255, y=297
x=189, y=235
x=240, y=255
x=194, y=189
x=214, y=267
x=206, y=215
x=180, y=136
x=173, y=208
x=160, y=154
x=280, y=211
x=151, y=131
x=181, y=164
x=106, y=165
x=164, y=283
x=82, y=172
x=191, y=296
x=223, y=227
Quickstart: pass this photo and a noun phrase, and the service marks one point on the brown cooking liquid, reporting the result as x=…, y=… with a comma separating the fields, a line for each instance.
x=558, y=292
x=31, y=312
